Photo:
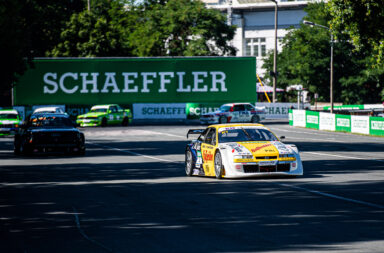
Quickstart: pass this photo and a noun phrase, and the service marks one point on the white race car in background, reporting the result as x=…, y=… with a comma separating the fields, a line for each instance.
x=236, y=112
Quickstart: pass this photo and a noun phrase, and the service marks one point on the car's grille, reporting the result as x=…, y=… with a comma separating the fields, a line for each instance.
x=266, y=157
x=284, y=167
x=274, y=168
x=251, y=168
x=207, y=116
x=55, y=138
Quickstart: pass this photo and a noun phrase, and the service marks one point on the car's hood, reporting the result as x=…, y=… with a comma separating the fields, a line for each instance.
x=92, y=114
x=259, y=148
x=50, y=130
x=212, y=113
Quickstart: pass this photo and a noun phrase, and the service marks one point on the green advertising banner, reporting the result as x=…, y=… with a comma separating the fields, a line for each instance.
x=137, y=80
x=312, y=119
x=195, y=110
x=376, y=126
x=343, y=123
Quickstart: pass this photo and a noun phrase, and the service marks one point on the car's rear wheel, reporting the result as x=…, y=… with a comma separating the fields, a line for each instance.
x=255, y=119
x=223, y=120
x=219, y=168
x=189, y=164
x=104, y=122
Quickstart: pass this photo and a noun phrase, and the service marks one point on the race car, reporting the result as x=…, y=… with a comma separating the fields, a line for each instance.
x=238, y=151
x=103, y=115
x=49, y=132
x=9, y=122
x=237, y=112
x=49, y=109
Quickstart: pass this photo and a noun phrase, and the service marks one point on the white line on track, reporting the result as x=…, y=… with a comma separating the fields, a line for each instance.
x=335, y=196
x=132, y=153
x=286, y=185
x=343, y=156
x=77, y=220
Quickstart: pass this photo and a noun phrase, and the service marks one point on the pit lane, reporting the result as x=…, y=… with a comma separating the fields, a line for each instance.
x=129, y=194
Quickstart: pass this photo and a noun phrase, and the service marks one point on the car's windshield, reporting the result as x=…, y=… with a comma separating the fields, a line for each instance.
x=245, y=134
x=225, y=108
x=50, y=121
x=8, y=116
x=99, y=110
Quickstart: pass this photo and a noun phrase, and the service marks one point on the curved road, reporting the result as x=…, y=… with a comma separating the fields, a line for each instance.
x=130, y=194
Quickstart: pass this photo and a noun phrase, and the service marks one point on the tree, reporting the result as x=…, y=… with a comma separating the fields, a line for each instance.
x=180, y=28
x=29, y=29
x=363, y=21
x=305, y=60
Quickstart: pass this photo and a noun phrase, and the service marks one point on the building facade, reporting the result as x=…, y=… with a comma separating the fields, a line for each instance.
x=255, y=21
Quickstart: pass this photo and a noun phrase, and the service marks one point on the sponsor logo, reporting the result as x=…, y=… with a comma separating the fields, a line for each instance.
x=261, y=147
x=343, y=122
x=377, y=125
x=207, y=156
x=312, y=119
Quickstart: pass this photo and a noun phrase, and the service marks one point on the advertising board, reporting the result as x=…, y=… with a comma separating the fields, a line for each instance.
x=159, y=111
x=376, y=126
x=298, y=117
x=343, y=123
x=312, y=119
x=360, y=124
x=327, y=121
x=91, y=81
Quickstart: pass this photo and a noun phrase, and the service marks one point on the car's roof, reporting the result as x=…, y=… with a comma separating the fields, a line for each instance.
x=46, y=108
x=43, y=114
x=10, y=111
x=102, y=106
x=236, y=125
x=231, y=104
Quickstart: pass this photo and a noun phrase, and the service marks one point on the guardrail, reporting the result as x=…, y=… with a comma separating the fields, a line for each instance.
x=337, y=122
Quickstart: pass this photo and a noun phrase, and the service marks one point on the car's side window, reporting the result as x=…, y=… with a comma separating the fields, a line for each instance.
x=211, y=137
x=237, y=108
x=249, y=107
x=113, y=109
x=202, y=136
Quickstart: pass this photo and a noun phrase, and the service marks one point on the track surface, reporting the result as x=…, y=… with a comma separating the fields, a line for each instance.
x=130, y=194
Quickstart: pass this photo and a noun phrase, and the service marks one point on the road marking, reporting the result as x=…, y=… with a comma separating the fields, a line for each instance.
x=343, y=156
x=77, y=220
x=335, y=196
x=132, y=153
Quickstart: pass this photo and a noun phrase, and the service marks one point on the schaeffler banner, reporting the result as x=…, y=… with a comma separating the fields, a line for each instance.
x=137, y=80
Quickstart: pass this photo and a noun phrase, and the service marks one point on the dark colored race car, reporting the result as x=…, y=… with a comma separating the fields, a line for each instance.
x=44, y=133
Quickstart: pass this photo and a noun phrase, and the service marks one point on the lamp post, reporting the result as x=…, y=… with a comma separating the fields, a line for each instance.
x=275, y=57
x=305, y=22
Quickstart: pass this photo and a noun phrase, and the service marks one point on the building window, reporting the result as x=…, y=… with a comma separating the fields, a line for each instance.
x=255, y=47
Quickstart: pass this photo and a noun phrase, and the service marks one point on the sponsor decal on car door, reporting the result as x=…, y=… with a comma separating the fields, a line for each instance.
x=208, y=152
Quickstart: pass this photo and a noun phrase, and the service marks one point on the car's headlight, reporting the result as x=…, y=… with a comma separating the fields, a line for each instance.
x=243, y=157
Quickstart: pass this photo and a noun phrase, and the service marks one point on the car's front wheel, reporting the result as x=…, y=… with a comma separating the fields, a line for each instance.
x=219, y=168
x=223, y=120
x=125, y=122
x=189, y=164
x=104, y=122
x=255, y=119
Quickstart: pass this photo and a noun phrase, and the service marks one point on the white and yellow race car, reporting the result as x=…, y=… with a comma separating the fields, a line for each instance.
x=240, y=150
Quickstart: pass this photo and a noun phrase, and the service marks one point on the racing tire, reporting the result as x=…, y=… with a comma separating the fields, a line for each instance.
x=104, y=122
x=219, y=168
x=255, y=119
x=223, y=120
x=189, y=163
x=16, y=146
x=125, y=122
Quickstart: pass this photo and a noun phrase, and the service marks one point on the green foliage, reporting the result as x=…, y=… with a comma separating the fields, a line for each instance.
x=180, y=28
x=305, y=60
x=363, y=21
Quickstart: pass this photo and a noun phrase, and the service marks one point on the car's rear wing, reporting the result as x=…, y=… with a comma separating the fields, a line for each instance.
x=195, y=131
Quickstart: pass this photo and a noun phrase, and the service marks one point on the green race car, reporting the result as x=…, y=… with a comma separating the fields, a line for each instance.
x=103, y=115
x=9, y=122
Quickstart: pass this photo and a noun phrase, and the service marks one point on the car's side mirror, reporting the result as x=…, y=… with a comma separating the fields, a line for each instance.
x=282, y=137
x=109, y=111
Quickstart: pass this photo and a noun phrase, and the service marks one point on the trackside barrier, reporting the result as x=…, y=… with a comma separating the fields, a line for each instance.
x=337, y=122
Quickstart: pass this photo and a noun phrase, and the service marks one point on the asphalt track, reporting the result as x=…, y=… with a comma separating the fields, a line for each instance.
x=130, y=194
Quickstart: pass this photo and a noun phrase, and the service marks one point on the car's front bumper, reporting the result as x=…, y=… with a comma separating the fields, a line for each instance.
x=7, y=131
x=88, y=122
